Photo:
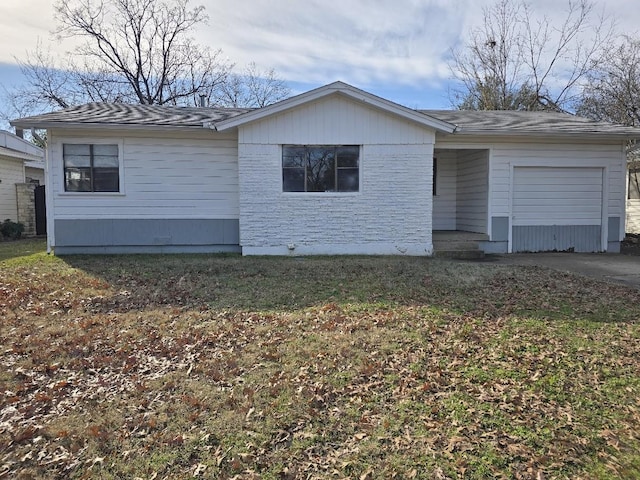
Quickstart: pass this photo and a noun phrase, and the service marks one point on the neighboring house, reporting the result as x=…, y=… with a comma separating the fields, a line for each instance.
x=335, y=170
x=633, y=190
x=21, y=168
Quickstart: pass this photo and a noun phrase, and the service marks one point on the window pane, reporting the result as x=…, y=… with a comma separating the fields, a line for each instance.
x=110, y=150
x=71, y=149
x=77, y=161
x=105, y=161
x=77, y=179
x=293, y=156
x=348, y=156
x=348, y=180
x=106, y=180
x=321, y=170
x=293, y=179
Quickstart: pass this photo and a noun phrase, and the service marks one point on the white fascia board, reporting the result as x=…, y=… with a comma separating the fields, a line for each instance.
x=342, y=89
x=106, y=126
x=39, y=164
x=7, y=152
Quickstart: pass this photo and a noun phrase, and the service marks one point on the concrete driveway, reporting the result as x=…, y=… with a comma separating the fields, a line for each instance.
x=624, y=269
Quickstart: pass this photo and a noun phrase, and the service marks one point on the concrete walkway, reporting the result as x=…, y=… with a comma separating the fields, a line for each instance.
x=624, y=269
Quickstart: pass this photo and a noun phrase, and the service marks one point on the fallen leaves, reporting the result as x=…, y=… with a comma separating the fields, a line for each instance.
x=512, y=373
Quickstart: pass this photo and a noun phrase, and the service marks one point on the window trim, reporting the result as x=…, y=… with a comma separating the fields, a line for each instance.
x=325, y=193
x=60, y=142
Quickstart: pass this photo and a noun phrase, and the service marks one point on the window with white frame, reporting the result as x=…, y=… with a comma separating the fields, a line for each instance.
x=320, y=168
x=91, y=167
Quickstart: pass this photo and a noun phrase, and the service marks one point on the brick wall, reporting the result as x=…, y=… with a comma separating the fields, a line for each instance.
x=26, y=207
x=391, y=214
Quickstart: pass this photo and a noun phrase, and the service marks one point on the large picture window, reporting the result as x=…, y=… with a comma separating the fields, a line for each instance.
x=91, y=168
x=320, y=168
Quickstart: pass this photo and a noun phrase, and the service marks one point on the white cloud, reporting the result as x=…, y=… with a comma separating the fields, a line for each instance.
x=365, y=42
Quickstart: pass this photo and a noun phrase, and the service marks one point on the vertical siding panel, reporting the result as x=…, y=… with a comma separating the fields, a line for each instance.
x=472, y=191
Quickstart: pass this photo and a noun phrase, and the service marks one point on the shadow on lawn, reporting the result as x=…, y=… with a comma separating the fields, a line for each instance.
x=290, y=284
x=263, y=283
x=22, y=248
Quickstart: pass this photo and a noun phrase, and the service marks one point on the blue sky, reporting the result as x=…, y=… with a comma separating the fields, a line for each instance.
x=396, y=49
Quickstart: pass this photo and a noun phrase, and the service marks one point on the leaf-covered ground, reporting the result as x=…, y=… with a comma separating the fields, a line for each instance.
x=314, y=368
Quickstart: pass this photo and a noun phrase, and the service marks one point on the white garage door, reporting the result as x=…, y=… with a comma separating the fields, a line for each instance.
x=557, y=209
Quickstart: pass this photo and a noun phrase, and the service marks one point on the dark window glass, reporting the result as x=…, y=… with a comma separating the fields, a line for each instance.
x=91, y=168
x=320, y=168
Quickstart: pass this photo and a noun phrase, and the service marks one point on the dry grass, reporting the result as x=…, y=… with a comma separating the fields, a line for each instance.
x=284, y=368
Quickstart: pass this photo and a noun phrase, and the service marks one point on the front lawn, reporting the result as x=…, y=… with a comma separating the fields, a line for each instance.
x=313, y=368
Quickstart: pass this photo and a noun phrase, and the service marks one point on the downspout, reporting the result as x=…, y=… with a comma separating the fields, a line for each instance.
x=51, y=243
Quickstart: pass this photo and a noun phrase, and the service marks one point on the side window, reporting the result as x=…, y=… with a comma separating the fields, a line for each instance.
x=91, y=168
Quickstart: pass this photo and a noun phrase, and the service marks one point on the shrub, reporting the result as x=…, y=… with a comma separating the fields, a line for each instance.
x=11, y=229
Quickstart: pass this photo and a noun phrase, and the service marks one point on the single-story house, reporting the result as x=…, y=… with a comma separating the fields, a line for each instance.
x=21, y=169
x=335, y=170
x=633, y=191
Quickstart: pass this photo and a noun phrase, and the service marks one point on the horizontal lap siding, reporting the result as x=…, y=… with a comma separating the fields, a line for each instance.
x=11, y=172
x=188, y=177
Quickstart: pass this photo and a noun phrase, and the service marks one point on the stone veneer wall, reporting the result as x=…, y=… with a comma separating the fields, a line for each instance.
x=26, y=207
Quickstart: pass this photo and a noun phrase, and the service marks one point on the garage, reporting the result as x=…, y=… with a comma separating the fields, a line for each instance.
x=557, y=209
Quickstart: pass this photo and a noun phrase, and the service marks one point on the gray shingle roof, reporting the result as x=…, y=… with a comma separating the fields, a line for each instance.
x=517, y=122
x=467, y=122
x=125, y=114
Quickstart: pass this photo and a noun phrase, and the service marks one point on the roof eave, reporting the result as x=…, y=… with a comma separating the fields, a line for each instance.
x=105, y=126
x=554, y=134
x=7, y=152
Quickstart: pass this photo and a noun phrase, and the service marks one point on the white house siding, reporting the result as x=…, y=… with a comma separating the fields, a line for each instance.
x=472, y=191
x=506, y=154
x=391, y=213
x=11, y=172
x=444, y=201
x=179, y=193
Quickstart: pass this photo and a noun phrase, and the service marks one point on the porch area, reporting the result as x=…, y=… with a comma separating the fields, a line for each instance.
x=458, y=244
x=460, y=202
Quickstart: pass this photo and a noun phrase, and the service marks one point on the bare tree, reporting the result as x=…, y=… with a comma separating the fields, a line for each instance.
x=612, y=92
x=252, y=88
x=141, y=49
x=514, y=62
x=135, y=51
